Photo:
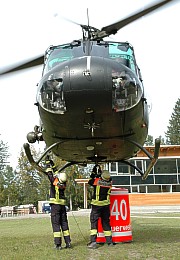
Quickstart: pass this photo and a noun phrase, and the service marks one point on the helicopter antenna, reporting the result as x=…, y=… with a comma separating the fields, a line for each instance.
x=88, y=17
x=88, y=24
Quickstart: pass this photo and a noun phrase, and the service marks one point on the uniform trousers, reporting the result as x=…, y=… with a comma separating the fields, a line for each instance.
x=102, y=212
x=59, y=223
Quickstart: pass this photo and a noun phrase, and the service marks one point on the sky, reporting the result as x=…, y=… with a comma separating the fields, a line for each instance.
x=28, y=28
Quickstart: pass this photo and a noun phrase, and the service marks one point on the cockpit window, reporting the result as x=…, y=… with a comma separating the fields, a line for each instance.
x=119, y=52
x=123, y=53
x=61, y=53
x=57, y=54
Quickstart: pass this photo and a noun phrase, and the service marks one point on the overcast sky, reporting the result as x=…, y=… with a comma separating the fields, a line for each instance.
x=28, y=28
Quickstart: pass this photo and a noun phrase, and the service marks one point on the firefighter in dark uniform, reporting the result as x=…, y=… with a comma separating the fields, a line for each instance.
x=102, y=184
x=57, y=202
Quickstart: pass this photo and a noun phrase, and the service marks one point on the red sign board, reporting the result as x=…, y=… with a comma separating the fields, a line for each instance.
x=119, y=218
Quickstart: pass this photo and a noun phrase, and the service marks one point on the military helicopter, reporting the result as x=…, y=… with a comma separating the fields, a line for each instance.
x=91, y=100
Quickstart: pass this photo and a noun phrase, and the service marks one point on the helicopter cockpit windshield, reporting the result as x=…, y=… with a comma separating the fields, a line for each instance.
x=56, y=55
x=119, y=52
x=123, y=53
x=126, y=82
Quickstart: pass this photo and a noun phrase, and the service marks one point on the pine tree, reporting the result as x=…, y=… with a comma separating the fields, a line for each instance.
x=3, y=155
x=149, y=140
x=29, y=180
x=10, y=191
x=3, y=163
x=173, y=130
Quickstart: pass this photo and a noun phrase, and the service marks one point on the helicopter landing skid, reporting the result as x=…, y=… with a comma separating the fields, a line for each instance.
x=144, y=175
x=36, y=164
x=31, y=159
x=153, y=159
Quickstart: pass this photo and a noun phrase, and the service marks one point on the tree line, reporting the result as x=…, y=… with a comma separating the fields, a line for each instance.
x=25, y=185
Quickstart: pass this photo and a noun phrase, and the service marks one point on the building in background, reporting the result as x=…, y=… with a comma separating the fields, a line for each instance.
x=164, y=177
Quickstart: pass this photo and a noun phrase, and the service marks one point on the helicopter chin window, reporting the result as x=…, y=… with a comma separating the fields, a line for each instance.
x=51, y=96
x=126, y=92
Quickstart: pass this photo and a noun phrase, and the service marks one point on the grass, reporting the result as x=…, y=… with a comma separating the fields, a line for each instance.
x=154, y=237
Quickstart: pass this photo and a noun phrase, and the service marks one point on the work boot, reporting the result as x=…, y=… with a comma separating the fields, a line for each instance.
x=57, y=247
x=92, y=245
x=68, y=245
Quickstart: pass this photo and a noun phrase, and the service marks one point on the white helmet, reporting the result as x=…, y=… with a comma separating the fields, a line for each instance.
x=105, y=175
x=62, y=177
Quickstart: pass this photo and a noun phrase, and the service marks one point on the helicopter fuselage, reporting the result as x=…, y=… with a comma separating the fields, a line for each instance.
x=91, y=102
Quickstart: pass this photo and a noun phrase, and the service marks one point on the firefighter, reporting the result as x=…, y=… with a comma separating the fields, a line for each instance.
x=57, y=202
x=102, y=184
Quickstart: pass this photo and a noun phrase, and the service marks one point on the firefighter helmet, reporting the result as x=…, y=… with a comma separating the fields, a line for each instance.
x=105, y=175
x=62, y=177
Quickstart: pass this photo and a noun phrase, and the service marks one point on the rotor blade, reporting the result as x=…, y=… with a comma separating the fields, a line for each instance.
x=32, y=63
x=65, y=18
x=113, y=28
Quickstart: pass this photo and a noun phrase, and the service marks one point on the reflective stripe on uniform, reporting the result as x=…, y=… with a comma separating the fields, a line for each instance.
x=57, y=193
x=93, y=232
x=57, y=234
x=97, y=192
x=66, y=233
x=107, y=233
x=59, y=201
x=100, y=202
x=49, y=170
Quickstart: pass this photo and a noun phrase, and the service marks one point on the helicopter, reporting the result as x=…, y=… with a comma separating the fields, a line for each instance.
x=91, y=100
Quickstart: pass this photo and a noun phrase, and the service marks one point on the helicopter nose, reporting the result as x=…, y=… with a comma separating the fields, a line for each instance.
x=89, y=73
x=103, y=75
x=80, y=79
x=92, y=80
